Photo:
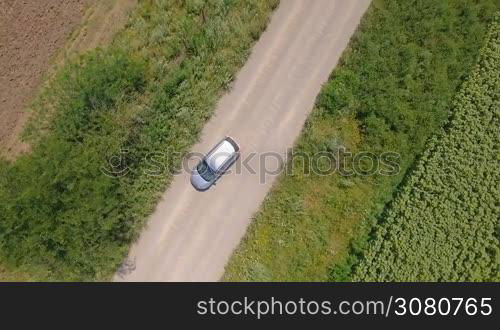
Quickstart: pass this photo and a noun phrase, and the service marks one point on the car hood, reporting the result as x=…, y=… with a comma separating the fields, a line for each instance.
x=198, y=182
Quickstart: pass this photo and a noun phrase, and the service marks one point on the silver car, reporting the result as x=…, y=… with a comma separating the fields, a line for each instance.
x=215, y=163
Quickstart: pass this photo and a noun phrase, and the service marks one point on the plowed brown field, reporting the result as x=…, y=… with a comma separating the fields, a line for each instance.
x=31, y=33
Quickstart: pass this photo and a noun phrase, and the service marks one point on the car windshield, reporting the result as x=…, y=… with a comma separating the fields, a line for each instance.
x=205, y=171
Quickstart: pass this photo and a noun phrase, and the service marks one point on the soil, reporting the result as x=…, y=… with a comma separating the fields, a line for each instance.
x=31, y=34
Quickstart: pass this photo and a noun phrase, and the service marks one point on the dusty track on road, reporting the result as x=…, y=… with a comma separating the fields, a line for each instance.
x=191, y=235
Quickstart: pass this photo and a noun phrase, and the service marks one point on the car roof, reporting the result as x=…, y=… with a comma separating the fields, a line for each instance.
x=220, y=154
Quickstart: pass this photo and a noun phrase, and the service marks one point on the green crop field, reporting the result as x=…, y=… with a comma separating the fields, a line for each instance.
x=444, y=224
x=64, y=215
x=392, y=90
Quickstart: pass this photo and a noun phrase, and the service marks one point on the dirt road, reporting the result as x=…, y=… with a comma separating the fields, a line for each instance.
x=191, y=235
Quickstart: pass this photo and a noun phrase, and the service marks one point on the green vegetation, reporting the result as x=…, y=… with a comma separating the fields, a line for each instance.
x=61, y=217
x=444, y=223
x=392, y=90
